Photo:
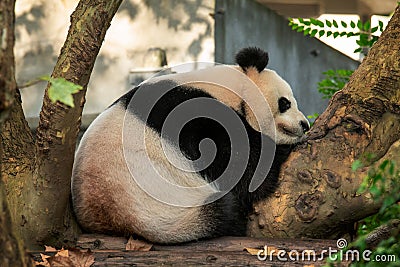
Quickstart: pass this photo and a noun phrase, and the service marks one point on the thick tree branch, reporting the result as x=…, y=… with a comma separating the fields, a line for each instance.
x=59, y=124
x=11, y=248
x=317, y=196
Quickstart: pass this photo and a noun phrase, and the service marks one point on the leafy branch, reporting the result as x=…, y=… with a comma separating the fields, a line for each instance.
x=381, y=231
x=367, y=35
x=333, y=82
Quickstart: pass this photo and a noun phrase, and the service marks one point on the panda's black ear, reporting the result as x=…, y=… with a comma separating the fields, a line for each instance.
x=252, y=57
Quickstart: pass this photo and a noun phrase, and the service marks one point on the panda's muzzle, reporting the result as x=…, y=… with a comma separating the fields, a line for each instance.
x=289, y=131
x=294, y=131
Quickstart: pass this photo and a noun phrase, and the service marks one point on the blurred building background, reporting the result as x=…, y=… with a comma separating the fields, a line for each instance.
x=145, y=35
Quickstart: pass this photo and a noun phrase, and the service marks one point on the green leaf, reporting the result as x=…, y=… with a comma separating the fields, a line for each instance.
x=380, y=25
x=313, y=32
x=359, y=25
x=335, y=24
x=328, y=23
x=357, y=164
x=307, y=22
x=328, y=33
x=313, y=116
x=364, y=40
x=352, y=24
x=335, y=34
x=334, y=81
x=387, y=202
x=301, y=20
x=320, y=23
x=364, y=37
x=307, y=31
x=61, y=90
x=383, y=165
x=300, y=29
x=367, y=26
x=321, y=33
x=344, y=24
x=363, y=187
x=391, y=168
x=314, y=21
x=358, y=50
x=375, y=191
x=343, y=34
x=374, y=29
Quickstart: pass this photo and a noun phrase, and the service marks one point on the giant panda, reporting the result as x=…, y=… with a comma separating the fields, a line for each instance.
x=184, y=156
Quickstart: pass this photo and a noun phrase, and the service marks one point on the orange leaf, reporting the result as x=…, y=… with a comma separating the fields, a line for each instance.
x=68, y=258
x=60, y=261
x=81, y=258
x=62, y=253
x=254, y=251
x=138, y=245
x=44, y=261
x=49, y=249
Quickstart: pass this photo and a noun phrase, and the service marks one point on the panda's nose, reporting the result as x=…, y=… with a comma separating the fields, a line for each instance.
x=305, y=126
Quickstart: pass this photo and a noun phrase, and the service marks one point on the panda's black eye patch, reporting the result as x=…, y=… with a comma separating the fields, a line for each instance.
x=284, y=104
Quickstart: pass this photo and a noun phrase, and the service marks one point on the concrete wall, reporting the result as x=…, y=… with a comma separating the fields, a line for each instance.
x=298, y=59
x=184, y=29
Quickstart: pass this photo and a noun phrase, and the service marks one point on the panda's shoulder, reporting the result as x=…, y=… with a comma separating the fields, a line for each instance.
x=153, y=101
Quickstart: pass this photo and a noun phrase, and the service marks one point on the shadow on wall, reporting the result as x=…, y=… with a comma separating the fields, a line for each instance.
x=167, y=10
x=184, y=29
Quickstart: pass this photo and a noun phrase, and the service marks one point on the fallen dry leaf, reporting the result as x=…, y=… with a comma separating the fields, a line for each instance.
x=268, y=249
x=68, y=258
x=60, y=261
x=49, y=249
x=62, y=253
x=44, y=261
x=137, y=245
x=81, y=258
x=254, y=251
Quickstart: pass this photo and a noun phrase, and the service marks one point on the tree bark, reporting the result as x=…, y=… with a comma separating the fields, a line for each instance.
x=317, y=196
x=38, y=174
x=59, y=124
x=11, y=247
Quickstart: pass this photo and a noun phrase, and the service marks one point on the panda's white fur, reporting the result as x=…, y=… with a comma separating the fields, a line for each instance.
x=107, y=196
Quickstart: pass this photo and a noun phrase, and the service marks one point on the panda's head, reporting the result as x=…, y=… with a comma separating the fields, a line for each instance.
x=290, y=123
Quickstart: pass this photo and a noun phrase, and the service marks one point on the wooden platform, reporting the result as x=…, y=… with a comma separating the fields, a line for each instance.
x=225, y=251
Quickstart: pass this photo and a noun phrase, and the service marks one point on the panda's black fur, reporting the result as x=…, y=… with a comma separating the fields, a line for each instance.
x=252, y=57
x=225, y=216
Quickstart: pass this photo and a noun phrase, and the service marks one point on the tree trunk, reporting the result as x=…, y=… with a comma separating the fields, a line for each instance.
x=317, y=196
x=59, y=124
x=38, y=174
x=11, y=247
